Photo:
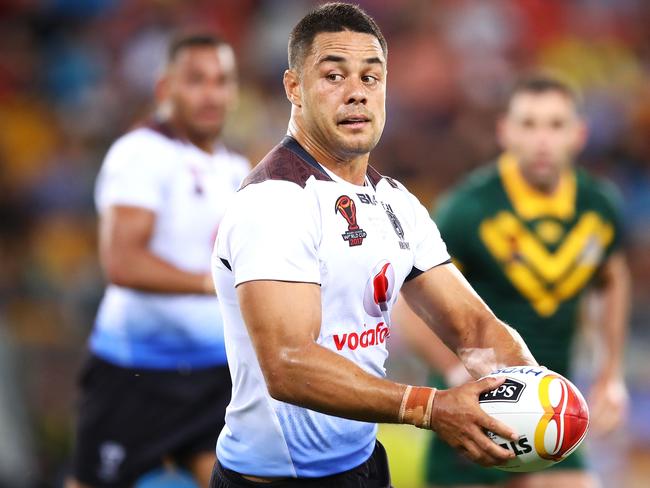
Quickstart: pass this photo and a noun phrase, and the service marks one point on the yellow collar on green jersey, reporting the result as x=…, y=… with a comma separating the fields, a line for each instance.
x=530, y=203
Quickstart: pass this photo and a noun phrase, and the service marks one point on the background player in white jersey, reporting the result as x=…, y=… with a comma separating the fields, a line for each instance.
x=156, y=384
x=309, y=261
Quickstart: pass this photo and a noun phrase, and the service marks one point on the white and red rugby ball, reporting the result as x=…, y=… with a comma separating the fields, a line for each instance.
x=547, y=411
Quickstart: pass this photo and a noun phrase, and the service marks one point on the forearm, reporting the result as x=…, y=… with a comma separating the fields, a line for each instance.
x=319, y=379
x=283, y=321
x=125, y=234
x=447, y=304
x=144, y=271
x=616, y=300
x=490, y=344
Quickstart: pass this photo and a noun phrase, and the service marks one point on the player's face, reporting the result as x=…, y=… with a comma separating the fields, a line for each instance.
x=201, y=87
x=544, y=132
x=343, y=92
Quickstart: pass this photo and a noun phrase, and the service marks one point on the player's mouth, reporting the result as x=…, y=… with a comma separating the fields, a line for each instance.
x=209, y=114
x=354, y=121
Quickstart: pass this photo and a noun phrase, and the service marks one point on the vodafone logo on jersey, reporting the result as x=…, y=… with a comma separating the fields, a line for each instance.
x=369, y=337
x=377, y=298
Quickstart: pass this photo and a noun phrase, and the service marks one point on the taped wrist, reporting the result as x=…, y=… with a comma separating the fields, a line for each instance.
x=417, y=406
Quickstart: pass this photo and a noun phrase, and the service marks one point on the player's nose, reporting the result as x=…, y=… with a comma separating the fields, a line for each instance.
x=355, y=92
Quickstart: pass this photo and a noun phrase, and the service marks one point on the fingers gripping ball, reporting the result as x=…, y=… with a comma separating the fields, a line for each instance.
x=547, y=411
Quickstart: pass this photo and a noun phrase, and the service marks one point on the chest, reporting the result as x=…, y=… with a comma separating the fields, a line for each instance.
x=550, y=245
x=548, y=261
x=196, y=194
x=367, y=240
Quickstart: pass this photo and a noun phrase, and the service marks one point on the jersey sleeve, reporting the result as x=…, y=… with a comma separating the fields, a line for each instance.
x=271, y=232
x=429, y=248
x=133, y=173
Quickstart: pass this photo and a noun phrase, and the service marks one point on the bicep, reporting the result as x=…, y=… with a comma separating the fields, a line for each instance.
x=123, y=229
x=445, y=301
x=281, y=318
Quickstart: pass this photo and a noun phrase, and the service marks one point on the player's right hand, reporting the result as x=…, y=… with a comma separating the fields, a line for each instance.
x=459, y=420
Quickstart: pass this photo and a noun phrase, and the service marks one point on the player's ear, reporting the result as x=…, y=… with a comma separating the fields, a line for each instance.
x=291, y=82
x=582, y=134
x=502, y=131
x=161, y=89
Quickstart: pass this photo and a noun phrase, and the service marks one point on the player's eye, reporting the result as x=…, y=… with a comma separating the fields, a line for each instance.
x=334, y=77
x=557, y=124
x=527, y=124
x=194, y=78
x=369, y=80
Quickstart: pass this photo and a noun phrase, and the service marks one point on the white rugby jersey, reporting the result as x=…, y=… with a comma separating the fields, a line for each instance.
x=188, y=189
x=294, y=221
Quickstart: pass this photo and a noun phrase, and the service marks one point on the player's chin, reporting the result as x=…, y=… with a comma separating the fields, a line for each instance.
x=544, y=177
x=358, y=143
x=207, y=128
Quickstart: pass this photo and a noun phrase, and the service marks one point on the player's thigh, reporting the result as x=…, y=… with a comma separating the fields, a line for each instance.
x=198, y=453
x=116, y=431
x=556, y=479
x=128, y=422
x=201, y=465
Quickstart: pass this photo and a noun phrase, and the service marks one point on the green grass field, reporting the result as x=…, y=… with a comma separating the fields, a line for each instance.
x=405, y=446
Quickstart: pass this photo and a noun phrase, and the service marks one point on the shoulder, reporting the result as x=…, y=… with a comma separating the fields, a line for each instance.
x=141, y=146
x=143, y=139
x=466, y=196
x=397, y=193
x=270, y=211
x=284, y=163
x=483, y=179
x=237, y=161
x=599, y=191
x=271, y=199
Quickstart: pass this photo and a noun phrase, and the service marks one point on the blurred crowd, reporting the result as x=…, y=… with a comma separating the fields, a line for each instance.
x=75, y=74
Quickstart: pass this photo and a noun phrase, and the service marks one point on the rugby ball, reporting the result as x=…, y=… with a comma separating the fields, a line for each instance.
x=546, y=410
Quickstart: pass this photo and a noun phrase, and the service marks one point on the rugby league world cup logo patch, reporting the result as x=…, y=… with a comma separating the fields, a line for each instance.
x=348, y=210
x=565, y=418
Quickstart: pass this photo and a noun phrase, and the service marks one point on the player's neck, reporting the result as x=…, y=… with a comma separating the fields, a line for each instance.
x=548, y=187
x=206, y=144
x=351, y=169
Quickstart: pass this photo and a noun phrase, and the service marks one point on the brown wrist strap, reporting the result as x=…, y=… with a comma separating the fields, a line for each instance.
x=417, y=406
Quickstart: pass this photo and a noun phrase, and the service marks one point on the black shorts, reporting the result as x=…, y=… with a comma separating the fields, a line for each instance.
x=129, y=419
x=373, y=473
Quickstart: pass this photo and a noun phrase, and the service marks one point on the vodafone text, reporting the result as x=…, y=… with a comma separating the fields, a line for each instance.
x=370, y=337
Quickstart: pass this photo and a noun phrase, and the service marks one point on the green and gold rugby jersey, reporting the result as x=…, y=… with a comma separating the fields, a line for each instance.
x=529, y=255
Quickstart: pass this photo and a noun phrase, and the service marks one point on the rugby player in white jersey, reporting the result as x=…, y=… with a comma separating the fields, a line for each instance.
x=310, y=258
x=157, y=383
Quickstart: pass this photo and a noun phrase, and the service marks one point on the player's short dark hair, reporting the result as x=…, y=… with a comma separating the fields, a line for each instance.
x=330, y=17
x=184, y=41
x=543, y=82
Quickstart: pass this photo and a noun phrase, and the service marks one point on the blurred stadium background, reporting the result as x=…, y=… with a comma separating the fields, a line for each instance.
x=75, y=74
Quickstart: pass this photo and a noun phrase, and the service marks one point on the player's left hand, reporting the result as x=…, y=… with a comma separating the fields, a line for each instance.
x=608, y=404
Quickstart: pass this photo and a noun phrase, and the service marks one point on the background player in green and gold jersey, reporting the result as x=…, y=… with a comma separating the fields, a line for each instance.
x=532, y=233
